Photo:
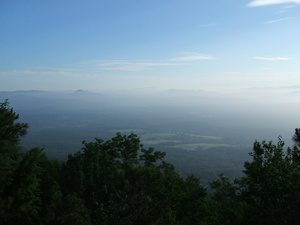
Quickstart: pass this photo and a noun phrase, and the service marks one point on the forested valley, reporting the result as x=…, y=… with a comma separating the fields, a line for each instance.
x=119, y=181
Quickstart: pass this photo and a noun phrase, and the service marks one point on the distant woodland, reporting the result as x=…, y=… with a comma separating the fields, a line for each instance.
x=119, y=181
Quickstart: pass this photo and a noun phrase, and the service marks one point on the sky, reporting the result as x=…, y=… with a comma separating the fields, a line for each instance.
x=149, y=44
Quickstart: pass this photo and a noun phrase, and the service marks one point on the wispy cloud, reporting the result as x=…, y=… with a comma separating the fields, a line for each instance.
x=289, y=6
x=140, y=65
x=38, y=73
x=272, y=58
x=256, y=3
x=128, y=65
x=278, y=20
x=192, y=57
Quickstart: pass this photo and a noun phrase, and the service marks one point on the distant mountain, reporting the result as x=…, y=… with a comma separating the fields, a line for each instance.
x=84, y=92
x=36, y=99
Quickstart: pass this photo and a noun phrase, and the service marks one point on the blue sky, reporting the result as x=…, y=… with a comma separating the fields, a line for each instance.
x=128, y=44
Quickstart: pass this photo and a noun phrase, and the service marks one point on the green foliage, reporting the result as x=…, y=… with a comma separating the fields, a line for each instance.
x=296, y=137
x=25, y=192
x=10, y=133
x=120, y=179
x=71, y=210
x=10, y=130
x=225, y=206
x=50, y=191
x=269, y=193
x=271, y=187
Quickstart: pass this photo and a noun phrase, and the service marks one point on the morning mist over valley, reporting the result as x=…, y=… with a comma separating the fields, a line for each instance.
x=194, y=127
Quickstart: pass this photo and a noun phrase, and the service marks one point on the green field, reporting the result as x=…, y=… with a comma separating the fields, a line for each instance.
x=186, y=141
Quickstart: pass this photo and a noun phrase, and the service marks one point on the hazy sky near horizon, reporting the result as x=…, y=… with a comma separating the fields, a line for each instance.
x=129, y=44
